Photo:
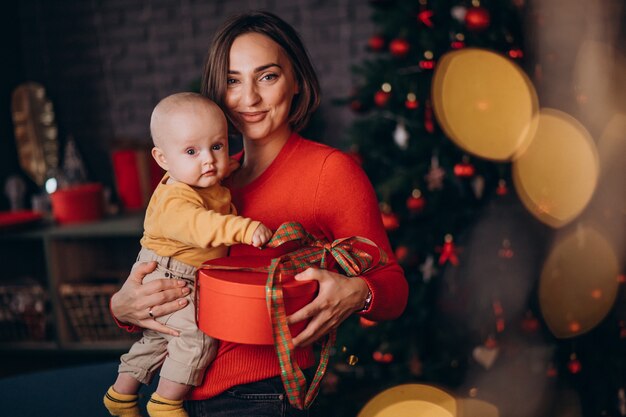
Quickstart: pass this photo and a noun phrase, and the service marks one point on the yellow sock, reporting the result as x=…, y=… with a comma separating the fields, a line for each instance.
x=162, y=407
x=121, y=405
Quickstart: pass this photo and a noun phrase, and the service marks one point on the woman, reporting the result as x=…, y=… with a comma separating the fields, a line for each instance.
x=258, y=71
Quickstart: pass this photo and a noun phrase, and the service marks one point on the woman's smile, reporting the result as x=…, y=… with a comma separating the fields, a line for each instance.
x=252, y=117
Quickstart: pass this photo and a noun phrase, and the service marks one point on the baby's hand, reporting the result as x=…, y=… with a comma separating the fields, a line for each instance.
x=261, y=235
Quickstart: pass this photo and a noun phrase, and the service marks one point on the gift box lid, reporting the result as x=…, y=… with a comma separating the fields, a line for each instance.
x=246, y=283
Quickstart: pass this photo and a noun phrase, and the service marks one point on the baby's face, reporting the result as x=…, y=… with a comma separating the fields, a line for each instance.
x=195, y=145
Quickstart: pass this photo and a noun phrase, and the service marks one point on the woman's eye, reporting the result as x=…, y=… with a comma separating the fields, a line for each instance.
x=190, y=151
x=269, y=77
x=231, y=81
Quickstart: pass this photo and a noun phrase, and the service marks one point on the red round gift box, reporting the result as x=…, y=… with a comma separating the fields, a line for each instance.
x=231, y=304
x=78, y=204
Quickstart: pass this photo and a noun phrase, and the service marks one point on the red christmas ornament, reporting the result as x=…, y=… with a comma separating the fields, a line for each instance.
x=516, y=53
x=399, y=47
x=382, y=357
x=464, y=169
x=552, y=372
x=416, y=202
x=427, y=64
x=376, y=43
x=411, y=102
x=502, y=189
x=574, y=364
x=381, y=98
x=429, y=123
x=426, y=16
x=401, y=253
x=622, y=329
x=457, y=45
x=357, y=106
x=530, y=324
x=491, y=342
x=448, y=252
x=390, y=219
x=505, y=251
x=477, y=19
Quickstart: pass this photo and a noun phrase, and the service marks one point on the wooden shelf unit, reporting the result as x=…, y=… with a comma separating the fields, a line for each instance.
x=98, y=254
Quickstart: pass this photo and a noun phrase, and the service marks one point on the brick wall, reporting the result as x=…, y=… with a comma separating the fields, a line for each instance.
x=105, y=64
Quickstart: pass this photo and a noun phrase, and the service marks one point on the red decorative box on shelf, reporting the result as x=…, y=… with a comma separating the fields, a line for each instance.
x=78, y=204
x=231, y=303
x=136, y=176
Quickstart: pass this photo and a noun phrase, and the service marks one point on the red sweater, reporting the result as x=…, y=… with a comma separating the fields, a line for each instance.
x=329, y=194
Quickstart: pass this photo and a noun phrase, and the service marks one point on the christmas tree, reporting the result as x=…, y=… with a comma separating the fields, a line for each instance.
x=470, y=250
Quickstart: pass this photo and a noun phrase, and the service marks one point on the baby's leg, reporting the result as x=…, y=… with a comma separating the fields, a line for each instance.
x=121, y=398
x=167, y=401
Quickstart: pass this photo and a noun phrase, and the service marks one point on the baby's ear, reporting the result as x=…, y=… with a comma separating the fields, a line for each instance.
x=159, y=157
x=233, y=165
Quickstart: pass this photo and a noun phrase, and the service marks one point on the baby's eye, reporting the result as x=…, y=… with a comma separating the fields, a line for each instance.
x=217, y=147
x=190, y=151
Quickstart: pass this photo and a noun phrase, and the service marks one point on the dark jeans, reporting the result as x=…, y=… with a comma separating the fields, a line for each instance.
x=264, y=398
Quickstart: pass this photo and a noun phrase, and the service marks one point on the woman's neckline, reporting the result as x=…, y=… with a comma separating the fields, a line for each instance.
x=272, y=166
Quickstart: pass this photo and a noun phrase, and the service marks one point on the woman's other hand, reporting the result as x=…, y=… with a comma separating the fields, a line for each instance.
x=139, y=304
x=338, y=297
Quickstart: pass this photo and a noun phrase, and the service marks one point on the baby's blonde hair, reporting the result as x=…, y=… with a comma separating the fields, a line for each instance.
x=174, y=103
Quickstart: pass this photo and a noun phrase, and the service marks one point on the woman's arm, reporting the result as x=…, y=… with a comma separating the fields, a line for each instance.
x=131, y=305
x=346, y=205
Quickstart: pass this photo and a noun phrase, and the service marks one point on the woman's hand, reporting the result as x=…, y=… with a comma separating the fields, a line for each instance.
x=138, y=304
x=338, y=297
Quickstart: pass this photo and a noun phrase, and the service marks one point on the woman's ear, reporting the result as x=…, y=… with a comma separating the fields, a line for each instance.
x=159, y=157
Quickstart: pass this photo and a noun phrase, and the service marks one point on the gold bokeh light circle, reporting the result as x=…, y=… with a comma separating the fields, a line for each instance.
x=484, y=103
x=556, y=176
x=579, y=282
x=411, y=400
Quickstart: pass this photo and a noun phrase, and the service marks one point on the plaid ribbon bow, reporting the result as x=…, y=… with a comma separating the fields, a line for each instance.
x=352, y=260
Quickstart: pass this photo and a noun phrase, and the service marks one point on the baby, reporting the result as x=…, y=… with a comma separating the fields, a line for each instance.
x=189, y=219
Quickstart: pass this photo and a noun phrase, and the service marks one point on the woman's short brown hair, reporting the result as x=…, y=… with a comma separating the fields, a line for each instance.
x=216, y=66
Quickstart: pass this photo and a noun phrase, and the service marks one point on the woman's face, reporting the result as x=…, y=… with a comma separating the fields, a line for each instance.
x=260, y=88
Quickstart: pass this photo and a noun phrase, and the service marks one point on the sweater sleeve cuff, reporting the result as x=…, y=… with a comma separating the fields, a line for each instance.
x=131, y=328
x=250, y=231
x=369, y=288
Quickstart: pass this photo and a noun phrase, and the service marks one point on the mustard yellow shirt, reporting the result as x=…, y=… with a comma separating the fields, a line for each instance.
x=192, y=224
